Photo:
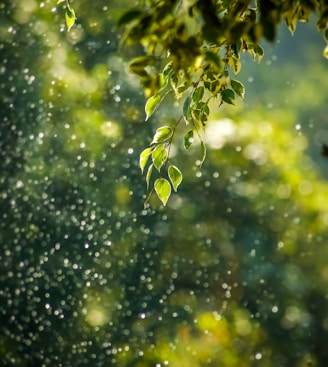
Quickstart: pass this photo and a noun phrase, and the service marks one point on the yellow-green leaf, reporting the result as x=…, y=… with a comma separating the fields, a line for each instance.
x=175, y=176
x=144, y=155
x=235, y=64
x=162, y=133
x=148, y=175
x=188, y=139
x=238, y=87
x=151, y=105
x=198, y=94
x=70, y=17
x=325, y=52
x=203, y=153
x=159, y=156
x=163, y=189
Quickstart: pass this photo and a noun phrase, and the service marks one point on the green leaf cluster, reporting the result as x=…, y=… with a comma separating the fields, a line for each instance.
x=157, y=155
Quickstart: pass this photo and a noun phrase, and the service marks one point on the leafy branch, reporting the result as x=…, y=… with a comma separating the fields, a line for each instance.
x=211, y=80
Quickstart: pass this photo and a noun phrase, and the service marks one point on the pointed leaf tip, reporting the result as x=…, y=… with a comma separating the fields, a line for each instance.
x=70, y=17
x=175, y=176
x=162, y=133
x=163, y=189
x=151, y=105
x=144, y=155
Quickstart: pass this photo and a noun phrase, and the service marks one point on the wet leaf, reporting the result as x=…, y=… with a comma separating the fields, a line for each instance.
x=163, y=189
x=188, y=139
x=162, y=133
x=151, y=105
x=145, y=154
x=175, y=176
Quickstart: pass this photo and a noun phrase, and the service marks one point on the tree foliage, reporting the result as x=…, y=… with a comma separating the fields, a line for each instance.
x=193, y=49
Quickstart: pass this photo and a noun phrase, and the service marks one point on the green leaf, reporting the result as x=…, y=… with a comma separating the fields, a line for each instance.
x=144, y=155
x=162, y=133
x=198, y=94
x=167, y=69
x=148, y=175
x=215, y=61
x=228, y=96
x=203, y=153
x=159, y=156
x=235, y=64
x=162, y=81
x=163, y=189
x=140, y=62
x=151, y=105
x=129, y=16
x=175, y=176
x=238, y=87
x=185, y=108
x=70, y=17
x=256, y=50
x=188, y=139
x=60, y=1
x=183, y=87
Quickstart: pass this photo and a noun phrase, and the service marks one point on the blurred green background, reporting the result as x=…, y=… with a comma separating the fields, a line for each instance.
x=233, y=272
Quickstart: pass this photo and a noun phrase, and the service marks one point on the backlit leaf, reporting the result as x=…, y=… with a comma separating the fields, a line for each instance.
x=148, y=175
x=145, y=154
x=188, y=139
x=159, y=156
x=162, y=133
x=151, y=105
x=235, y=64
x=175, y=176
x=163, y=189
x=167, y=69
x=70, y=17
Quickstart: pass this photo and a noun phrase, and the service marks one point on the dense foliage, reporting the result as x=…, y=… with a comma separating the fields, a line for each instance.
x=233, y=272
x=191, y=48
